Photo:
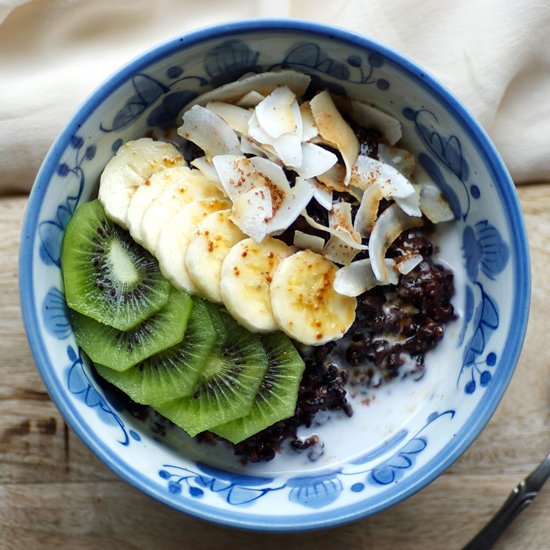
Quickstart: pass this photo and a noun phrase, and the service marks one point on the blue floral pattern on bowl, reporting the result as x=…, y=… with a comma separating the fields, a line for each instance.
x=51, y=230
x=483, y=246
x=82, y=387
x=486, y=246
x=315, y=491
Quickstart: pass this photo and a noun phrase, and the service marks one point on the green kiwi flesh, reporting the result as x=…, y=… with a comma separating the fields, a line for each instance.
x=107, y=276
x=173, y=372
x=278, y=393
x=227, y=385
x=120, y=350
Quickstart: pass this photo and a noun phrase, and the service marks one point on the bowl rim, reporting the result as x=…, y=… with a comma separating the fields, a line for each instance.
x=466, y=434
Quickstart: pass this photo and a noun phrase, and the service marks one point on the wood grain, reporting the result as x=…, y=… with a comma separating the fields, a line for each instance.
x=55, y=494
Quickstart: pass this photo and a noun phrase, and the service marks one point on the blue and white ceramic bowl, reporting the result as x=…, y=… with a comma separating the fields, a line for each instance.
x=411, y=431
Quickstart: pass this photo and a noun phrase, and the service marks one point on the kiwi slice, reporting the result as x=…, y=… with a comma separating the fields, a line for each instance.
x=106, y=274
x=278, y=393
x=227, y=384
x=173, y=372
x=120, y=350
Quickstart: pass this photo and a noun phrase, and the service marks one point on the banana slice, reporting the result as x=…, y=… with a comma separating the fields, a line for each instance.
x=208, y=247
x=174, y=239
x=145, y=194
x=246, y=276
x=135, y=162
x=304, y=302
x=187, y=186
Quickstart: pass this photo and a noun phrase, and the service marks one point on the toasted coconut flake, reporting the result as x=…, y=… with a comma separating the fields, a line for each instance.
x=389, y=225
x=338, y=251
x=250, y=99
x=315, y=161
x=369, y=116
x=287, y=147
x=239, y=174
x=307, y=241
x=289, y=150
x=210, y=132
x=207, y=169
x=236, y=117
x=251, y=147
x=250, y=212
x=262, y=83
x=367, y=213
x=411, y=204
x=401, y=159
x=333, y=181
x=392, y=183
x=340, y=225
x=333, y=178
x=339, y=219
x=405, y=264
x=272, y=174
x=288, y=204
x=433, y=204
x=321, y=194
x=363, y=176
x=309, y=130
x=335, y=130
x=315, y=224
x=342, y=235
x=269, y=152
x=340, y=216
x=358, y=277
x=279, y=114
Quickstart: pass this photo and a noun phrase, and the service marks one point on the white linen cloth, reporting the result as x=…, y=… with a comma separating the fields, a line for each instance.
x=493, y=54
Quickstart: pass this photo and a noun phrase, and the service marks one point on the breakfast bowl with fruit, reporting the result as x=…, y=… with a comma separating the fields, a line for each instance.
x=274, y=275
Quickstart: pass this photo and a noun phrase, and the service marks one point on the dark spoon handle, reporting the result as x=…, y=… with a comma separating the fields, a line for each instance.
x=519, y=499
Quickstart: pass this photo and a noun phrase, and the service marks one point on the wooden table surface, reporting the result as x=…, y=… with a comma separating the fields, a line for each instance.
x=55, y=494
